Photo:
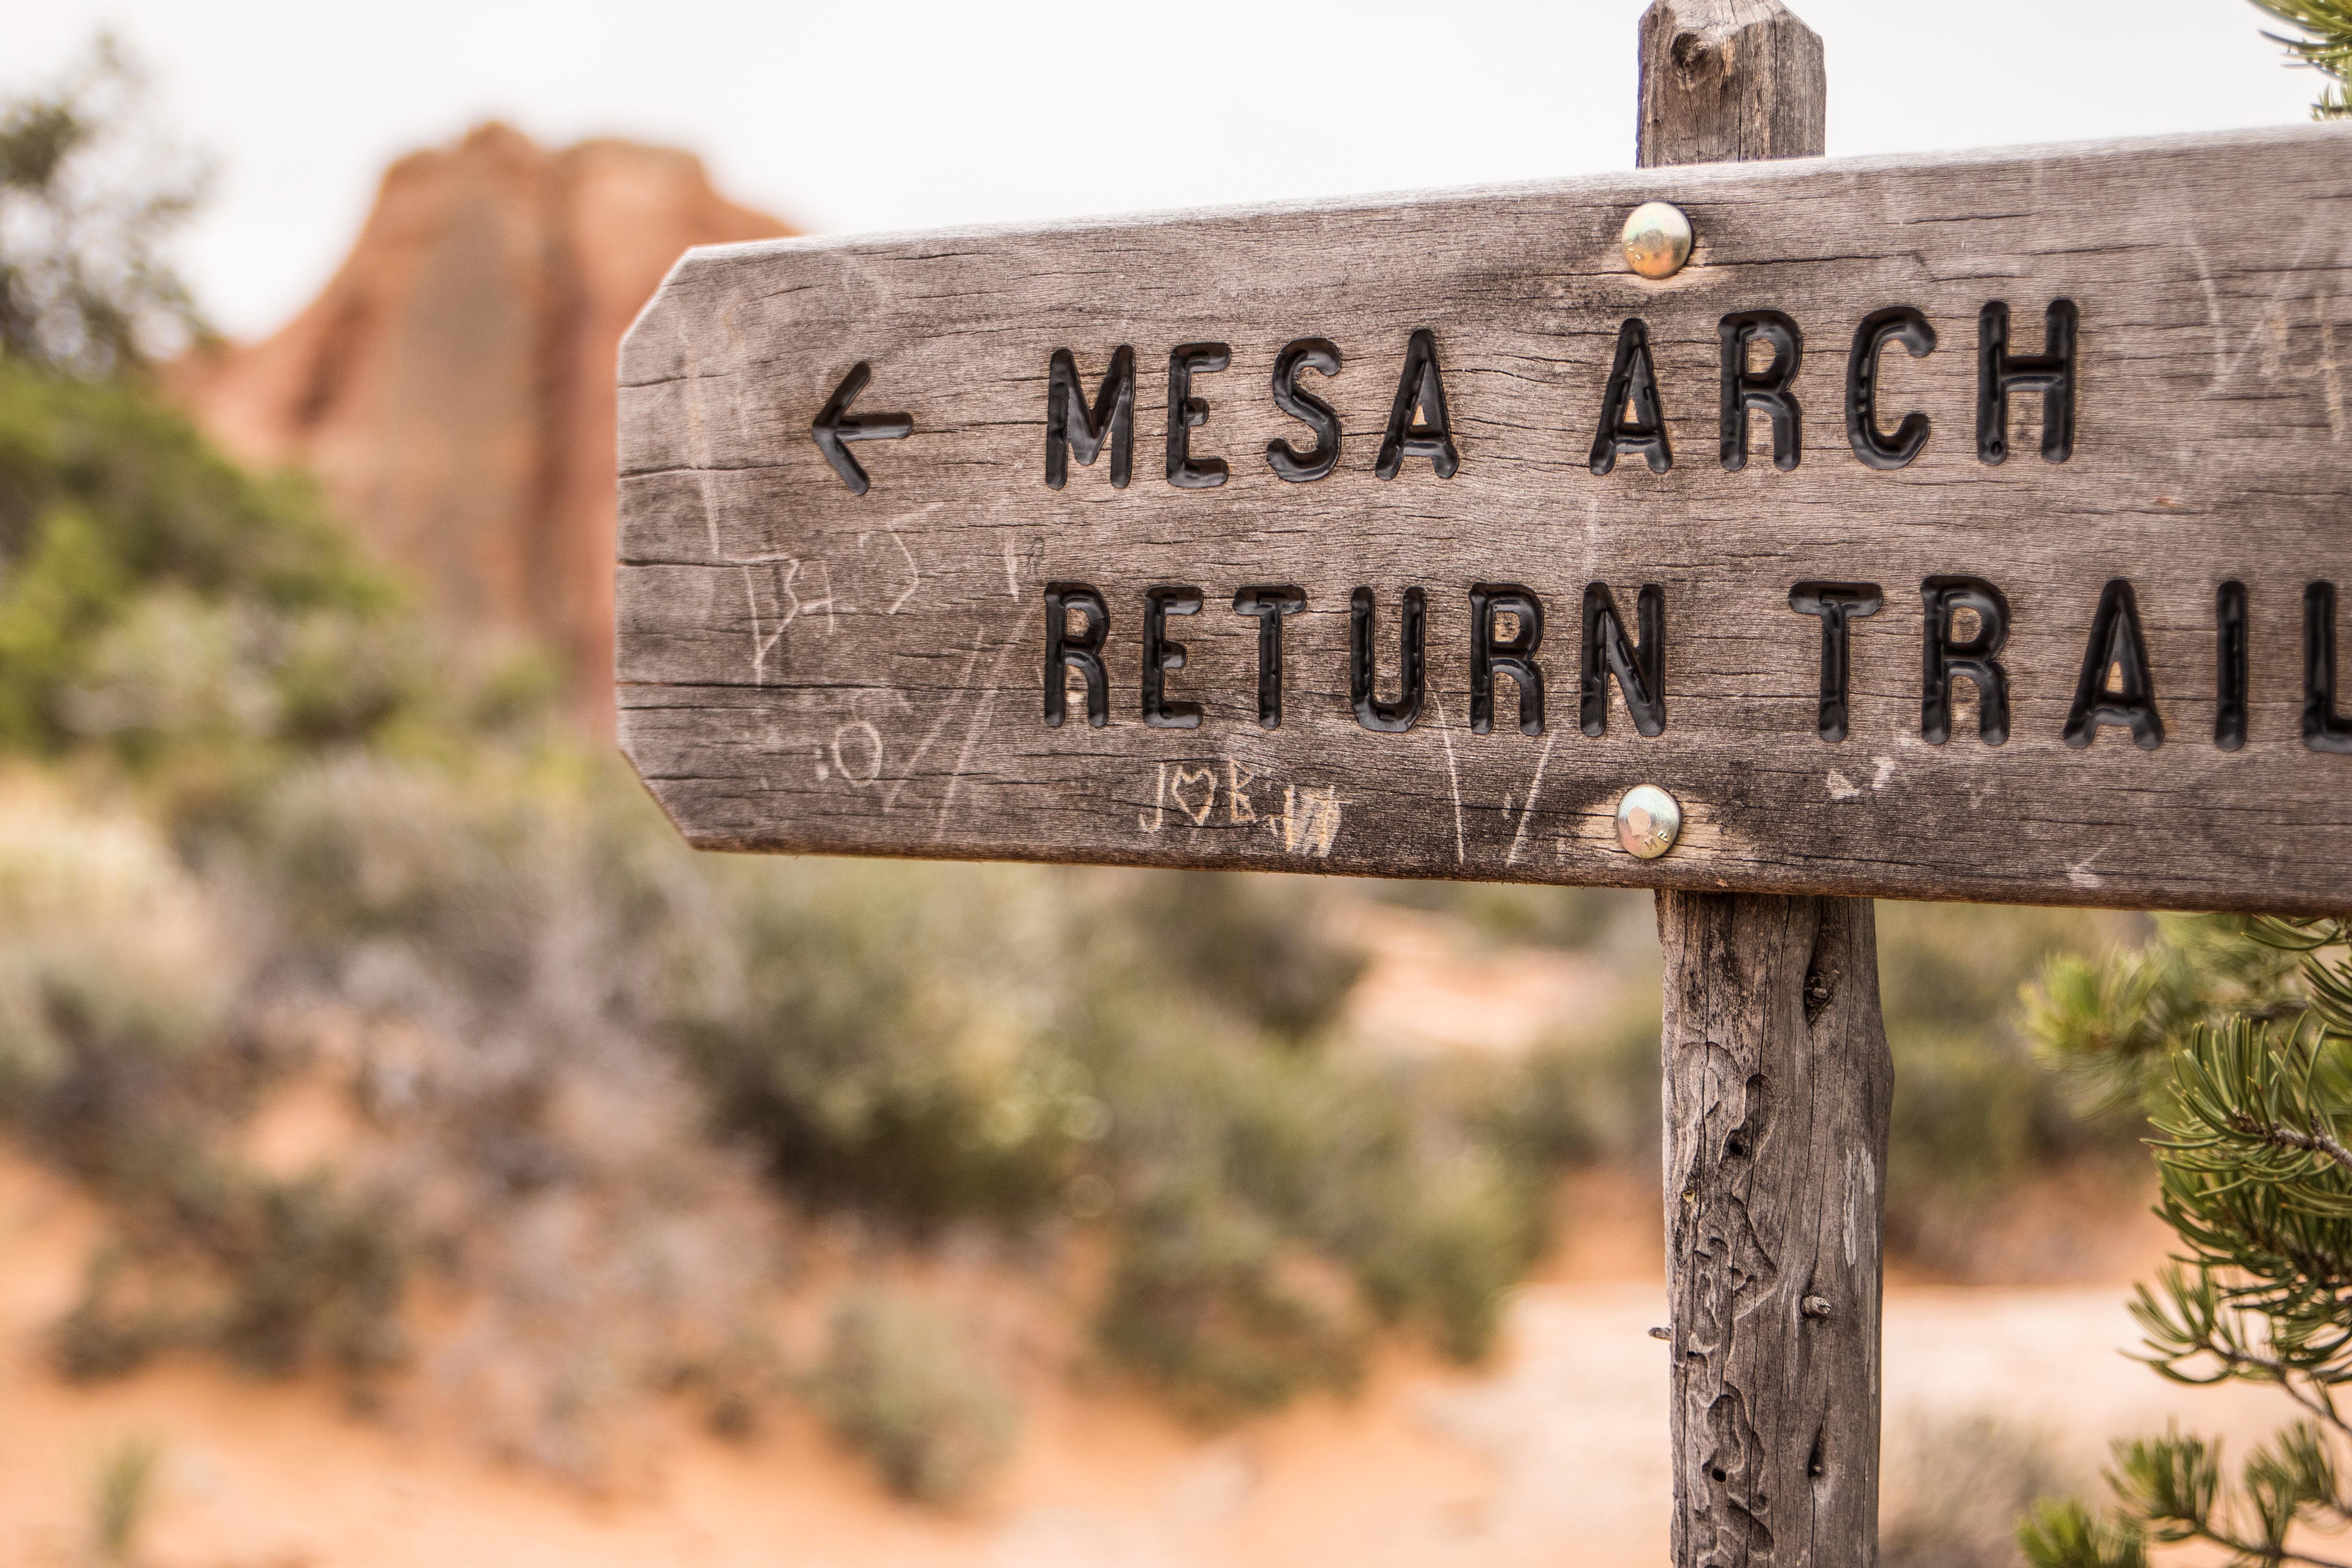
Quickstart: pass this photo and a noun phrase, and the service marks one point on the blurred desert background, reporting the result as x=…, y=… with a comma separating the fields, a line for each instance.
x=410, y=1153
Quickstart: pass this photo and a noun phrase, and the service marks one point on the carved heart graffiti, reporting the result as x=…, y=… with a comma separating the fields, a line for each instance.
x=1201, y=781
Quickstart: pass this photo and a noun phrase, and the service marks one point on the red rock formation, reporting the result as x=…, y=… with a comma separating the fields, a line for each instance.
x=452, y=389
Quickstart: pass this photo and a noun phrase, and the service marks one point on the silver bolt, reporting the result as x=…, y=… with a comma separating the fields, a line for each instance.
x=1648, y=821
x=1657, y=239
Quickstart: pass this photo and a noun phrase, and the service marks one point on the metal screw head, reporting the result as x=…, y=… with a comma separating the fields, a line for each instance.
x=1648, y=821
x=1657, y=239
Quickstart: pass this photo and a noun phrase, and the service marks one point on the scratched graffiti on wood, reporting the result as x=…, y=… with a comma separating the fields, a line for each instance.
x=1964, y=527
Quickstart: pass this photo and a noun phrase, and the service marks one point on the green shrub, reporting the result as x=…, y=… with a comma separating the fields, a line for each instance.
x=1592, y=1097
x=2243, y=1063
x=104, y=1335
x=108, y=500
x=734, y=1380
x=361, y=863
x=1209, y=1305
x=1455, y=1232
x=122, y=1495
x=895, y=1386
x=116, y=993
x=933, y=1043
x=88, y=204
x=202, y=628
x=1976, y=1112
x=2117, y=1019
x=313, y=1276
x=1275, y=1203
x=1250, y=941
x=274, y=1276
x=877, y=1032
x=122, y=1055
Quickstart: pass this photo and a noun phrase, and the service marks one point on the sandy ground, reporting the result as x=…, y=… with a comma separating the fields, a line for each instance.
x=1555, y=1454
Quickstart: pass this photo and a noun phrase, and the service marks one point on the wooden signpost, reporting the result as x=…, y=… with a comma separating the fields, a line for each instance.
x=1777, y=1081
x=2076, y=648
x=1963, y=527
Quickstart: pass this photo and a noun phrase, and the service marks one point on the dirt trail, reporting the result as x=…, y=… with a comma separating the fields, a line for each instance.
x=1556, y=1453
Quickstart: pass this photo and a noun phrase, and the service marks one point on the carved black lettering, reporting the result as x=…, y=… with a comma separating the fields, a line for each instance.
x=1186, y=413
x=1270, y=605
x=1082, y=652
x=1160, y=655
x=2050, y=373
x=1419, y=390
x=1894, y=324
x=1838, y=605
x=2117, y=687
x=1514, y=656
x=2231, y=661
x=1071, y=429
x=2323, y=730
x=1976, y=657
x=833, y=427
x=1308, y=353
x=1764, y=390
x=1631, y=423
x=1388, y=717
x=1640, y=667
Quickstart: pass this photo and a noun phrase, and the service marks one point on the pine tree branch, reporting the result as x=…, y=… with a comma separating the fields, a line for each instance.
x=2317, y=1403
x=2185, y=1530
x=2314, y=1398
x=2284, y=1137
x=2303, y=1557
x=2327, y=45
x=2261, y=1553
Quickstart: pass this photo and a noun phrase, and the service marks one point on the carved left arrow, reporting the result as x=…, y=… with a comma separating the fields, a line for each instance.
x=833, y=427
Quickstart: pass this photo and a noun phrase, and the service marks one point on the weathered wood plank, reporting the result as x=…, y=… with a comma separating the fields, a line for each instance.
x=804, y=669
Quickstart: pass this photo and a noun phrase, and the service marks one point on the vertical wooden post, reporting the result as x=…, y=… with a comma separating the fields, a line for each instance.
x=1729, y=81
x=1778, y=1079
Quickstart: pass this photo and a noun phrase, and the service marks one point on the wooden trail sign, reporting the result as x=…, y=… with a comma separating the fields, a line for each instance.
x=2014, y=587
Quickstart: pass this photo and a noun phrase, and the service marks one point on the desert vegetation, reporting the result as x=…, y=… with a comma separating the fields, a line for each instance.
x=2234, y=1035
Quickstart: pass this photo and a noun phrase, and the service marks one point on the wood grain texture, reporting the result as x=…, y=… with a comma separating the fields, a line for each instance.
x=1729, y=81
x=1777, y=1080
x=805, y=669
x=1777, y=1089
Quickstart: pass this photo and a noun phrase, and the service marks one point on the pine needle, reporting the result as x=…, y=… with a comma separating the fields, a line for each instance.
x=2325, y=46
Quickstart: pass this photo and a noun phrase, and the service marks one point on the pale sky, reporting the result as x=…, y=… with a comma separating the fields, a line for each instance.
x=842, y=117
